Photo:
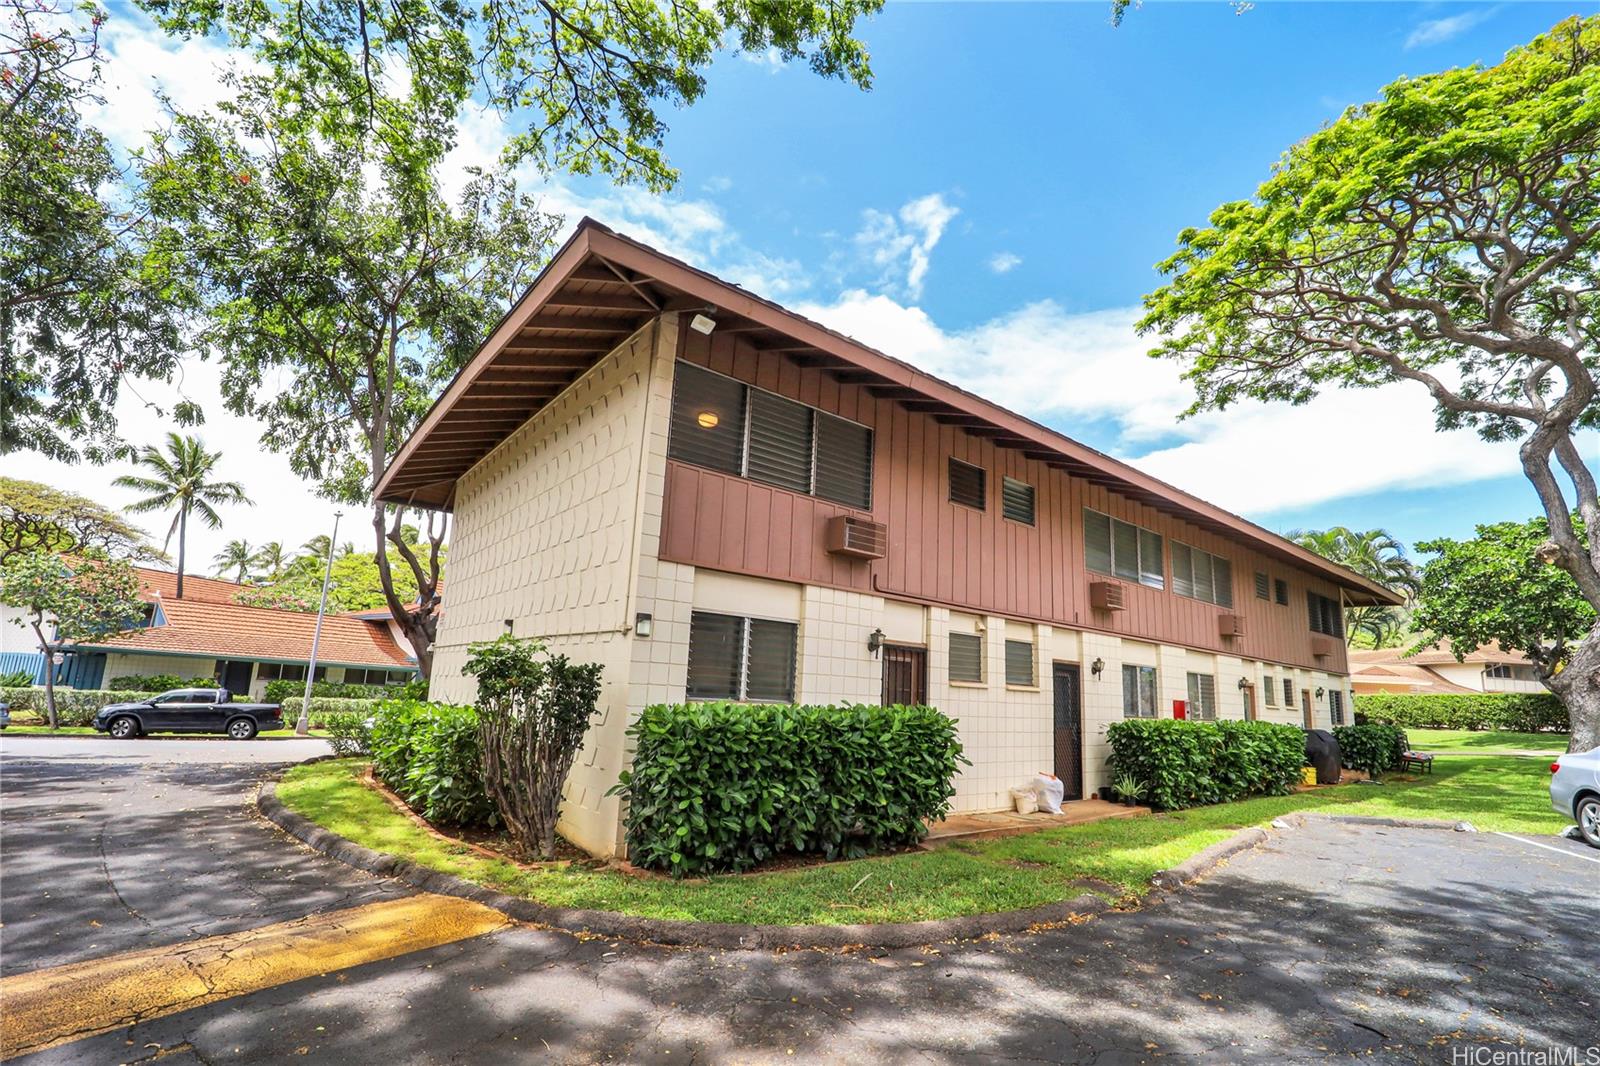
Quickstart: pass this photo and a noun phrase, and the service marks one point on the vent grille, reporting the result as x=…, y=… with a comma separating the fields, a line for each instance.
x=859, y=538
x=969, y=484
x=1016, y=500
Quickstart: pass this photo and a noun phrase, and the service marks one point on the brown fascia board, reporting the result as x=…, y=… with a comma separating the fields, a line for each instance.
x=592, y=237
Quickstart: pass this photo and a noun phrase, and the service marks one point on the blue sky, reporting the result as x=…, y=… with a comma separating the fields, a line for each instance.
x=992, y=210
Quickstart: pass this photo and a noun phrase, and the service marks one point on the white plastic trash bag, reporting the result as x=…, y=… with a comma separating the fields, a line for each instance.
x=1050, y=790
x=1025, y=800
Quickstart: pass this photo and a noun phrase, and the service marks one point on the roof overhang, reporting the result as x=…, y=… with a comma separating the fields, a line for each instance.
x=602, y=287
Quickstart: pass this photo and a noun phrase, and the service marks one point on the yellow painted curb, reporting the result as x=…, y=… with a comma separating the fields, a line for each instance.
x=54, y=1006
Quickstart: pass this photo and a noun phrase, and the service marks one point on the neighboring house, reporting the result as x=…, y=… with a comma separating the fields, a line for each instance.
x=715, y=498
x=1487, y=669
x=207, y=634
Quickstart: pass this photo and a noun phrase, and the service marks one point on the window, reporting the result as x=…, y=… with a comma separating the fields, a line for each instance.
x=1263, y=586
x=1335, y=706
x=1016, y=500
x=1288, y=693
x=1269, y=685
x=1122, y=550
x=735, y=658
x=1203, y=696
x=286, y=672
x=1138, y=691
x=1280, y=591
x=1019, y=663
x=1326, y=615
x=726, y=425
x=968, y=484
x=966, y=657
x=374, y=676
x=1201, y=575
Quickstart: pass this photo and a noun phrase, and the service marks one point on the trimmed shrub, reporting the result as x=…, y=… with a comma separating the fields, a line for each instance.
x=157, y=683
x=280, y=690
x=429, y=754
x=349, y=732
x=322, y=707
x=1373, y=747
x=724, y=786
x=1190, y=764
x=74, y=706
x=1522, y=712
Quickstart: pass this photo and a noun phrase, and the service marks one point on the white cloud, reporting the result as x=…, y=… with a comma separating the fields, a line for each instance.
x=904, y=242
x=1004, y=262
x=1438, y=31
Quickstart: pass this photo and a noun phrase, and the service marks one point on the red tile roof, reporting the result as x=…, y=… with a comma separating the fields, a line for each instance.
x=203, y=589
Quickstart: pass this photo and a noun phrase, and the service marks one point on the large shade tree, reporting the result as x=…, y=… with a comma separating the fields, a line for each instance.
x=182, y=479
x=34, y=515
x=1446, y=235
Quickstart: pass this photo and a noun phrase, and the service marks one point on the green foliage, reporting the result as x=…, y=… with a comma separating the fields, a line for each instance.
x=323, y=706
x=1374, y=747
x=39, y=516
x=725, y=786
x=354, y=585
x=1375, y=554
x=1188, y=764
x=1493, y=589
x=74, y=706
x=349, y=732
x=235, y=558
x=533, y=710
x=279, y=690
x=157, y=683
x=1522, y=712
x=1128, y=789
x=428, y=753
x=181, y=479
x=17, y=679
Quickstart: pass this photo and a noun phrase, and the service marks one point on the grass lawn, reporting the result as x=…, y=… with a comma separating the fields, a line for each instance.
x=1485, y=740
x=966, y=877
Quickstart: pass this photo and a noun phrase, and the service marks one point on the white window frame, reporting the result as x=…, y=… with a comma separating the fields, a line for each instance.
x=1150, y=580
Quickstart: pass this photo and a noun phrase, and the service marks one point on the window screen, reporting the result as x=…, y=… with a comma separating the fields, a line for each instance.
x=1016, y=500
x=1325, y=615
x=769, y=673
x=1336, y=706
x=1202, y=696
x=734, y=658
x=1269, y=686
x=1019, y=662
x=1123, y=550
x=708, y=412
x=1097, y=542
x=1263, y=586
x=1288, y=692
x=966, y=657
x=1138, y=691
x=780, y=442
x=968, y=484
x=1202, y=575
x=844, y=461
x=1151, y=570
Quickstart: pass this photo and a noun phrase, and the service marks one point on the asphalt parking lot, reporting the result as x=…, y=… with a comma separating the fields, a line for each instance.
x=1330, y=941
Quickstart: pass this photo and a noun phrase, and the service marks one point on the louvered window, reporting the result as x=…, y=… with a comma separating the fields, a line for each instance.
x=1263, y=586
x=1019, y=662
x=1138, y=691
x=966, y=657
x=1016, y=500
x=1335, y=706
x=1269, y=686
x=1280, y=591
x=1326, y=616
x=726, y=425
x=734, y=658
x=1202, y=696
x=1288, y=692
x=1122, y=550
x=968, y=484
x=1201, y=575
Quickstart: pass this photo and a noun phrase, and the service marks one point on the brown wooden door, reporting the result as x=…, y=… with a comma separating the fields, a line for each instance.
x=1249, y=703
x=905, y=675
x=1069, y=729
x=1305, y=708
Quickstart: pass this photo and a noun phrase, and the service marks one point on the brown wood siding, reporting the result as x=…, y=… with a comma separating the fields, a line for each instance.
x=945, y=553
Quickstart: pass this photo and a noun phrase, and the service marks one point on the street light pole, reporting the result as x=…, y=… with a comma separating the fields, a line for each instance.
x=303, y=726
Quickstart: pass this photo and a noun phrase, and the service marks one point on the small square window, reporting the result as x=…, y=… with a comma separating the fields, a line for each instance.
x=1017, y=500
x=1019, y=663
x=966, y=657
x=1280, y=591
x=1263, y=586
x=968, y=484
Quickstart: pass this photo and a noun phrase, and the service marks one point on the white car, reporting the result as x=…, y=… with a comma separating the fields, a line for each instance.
x=1575, y=791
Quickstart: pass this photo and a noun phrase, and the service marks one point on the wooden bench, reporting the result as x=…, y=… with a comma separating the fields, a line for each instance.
x=1419, y=761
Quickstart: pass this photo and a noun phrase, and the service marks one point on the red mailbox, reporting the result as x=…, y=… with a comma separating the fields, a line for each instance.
x=1180, y=709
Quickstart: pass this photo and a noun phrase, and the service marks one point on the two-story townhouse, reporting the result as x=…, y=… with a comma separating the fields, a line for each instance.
x=716, y=498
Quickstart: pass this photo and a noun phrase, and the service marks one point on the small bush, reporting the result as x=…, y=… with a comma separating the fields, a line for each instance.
x=429, y=754
x=349, y=732
x=157, y=683
x=724, y=786
x=1374, y=747
x=17, y=679
x=74, y=706
x=280, y=690
x=323, y=707
x=1189, y=764
x=1522, y=712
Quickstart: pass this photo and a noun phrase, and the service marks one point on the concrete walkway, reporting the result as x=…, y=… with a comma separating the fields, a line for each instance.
x=1006, y=823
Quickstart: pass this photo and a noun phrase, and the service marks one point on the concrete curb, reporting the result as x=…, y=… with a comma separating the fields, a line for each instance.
x=1205, y=861
x=1301, y=817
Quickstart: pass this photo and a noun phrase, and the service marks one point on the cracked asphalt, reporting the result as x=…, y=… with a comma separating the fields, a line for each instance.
x=1330, y=941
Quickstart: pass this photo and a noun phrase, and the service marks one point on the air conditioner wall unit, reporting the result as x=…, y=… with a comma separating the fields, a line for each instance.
x=1107, y=596
x=857, y=538
x=1230, y=625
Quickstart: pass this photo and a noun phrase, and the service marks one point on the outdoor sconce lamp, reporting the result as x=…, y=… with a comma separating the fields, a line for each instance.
x=875, y=641
x=510, y=624
x=1319, y=693
x=1097, y=667
x=641, y=625
x=1244, y=683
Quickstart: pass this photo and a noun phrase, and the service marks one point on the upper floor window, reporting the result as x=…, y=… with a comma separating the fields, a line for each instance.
x=1203, y=696
x=1016, y=500
x=734, y=658
x=1263, y=586
x=1133, y=553
x=726, y=425
x=1280, y=591
x=1201, y=575
x=969, y=485
x=1326, y=615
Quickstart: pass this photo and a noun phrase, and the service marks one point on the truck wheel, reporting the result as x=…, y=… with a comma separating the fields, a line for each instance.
x=123, y=728
x=241, y=729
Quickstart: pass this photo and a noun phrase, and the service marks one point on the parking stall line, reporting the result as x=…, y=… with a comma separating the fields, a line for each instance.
x=1548, y=847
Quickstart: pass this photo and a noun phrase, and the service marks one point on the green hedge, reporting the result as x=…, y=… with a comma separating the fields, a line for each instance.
x=280, y=690
x=322, y=708
x=74, y=706
x=157, y=683
x=430, y=755
x=1189, y=764
x=349, y=732
x=724, y=786
x=1522, y=712
x=1374, y=747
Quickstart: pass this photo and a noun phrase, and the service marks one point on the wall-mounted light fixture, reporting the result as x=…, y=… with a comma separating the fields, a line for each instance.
x=510, y=624
x=641, y=625
x=1319, y=693
x=1244, y=683
x=703, y=324
x=1097, y=667
x=875, y=642
x=708, y=419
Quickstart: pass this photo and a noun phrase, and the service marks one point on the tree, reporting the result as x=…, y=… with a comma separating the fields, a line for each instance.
x=182, y=481
x=86, y=299
x=272, y=560
x=354, y=585
x=87, y=599
x=236, y=557
x=33, y=515
x=1375, y=554
x=1448, y=235
x=332, y=264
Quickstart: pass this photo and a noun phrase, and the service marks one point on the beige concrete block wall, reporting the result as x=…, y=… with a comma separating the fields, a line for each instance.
x=121, y=665
x=834, y=663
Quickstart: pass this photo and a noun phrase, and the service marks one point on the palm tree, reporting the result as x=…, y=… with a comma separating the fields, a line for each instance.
x=181, y=479
x=317, y=546
x=235, y=557
x=272, y=559
x=1375, y=554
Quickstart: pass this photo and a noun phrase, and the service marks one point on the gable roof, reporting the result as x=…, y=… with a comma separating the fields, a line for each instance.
x=1443, y=655
x=201, y=589
x=1417, y=678
x=601, y=287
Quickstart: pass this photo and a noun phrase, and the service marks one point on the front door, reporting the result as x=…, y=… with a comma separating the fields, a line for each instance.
x=1305, y=708
x=905, y=675
x=235, y=677
x=1249, y=703
x=1069, y=730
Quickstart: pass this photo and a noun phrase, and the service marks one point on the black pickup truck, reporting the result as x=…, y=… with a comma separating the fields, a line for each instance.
x=189, y=710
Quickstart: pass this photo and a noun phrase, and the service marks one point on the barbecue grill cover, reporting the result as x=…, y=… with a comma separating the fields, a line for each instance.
x=1323, y=752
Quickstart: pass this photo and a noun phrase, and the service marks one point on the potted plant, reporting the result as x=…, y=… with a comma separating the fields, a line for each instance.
x=1107, y=793
x=1128, y=790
